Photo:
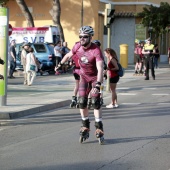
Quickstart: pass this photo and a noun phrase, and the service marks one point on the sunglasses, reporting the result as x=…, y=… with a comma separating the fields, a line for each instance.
x=85, y=37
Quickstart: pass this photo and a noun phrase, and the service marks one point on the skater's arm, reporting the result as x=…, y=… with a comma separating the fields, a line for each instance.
x=99, y=65
x=65, y=59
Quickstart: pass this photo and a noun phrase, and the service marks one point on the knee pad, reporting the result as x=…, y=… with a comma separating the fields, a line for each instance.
x=82, y=102
x=96, y=103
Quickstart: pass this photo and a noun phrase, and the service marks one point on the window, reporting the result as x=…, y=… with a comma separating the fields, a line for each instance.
x=40, y=48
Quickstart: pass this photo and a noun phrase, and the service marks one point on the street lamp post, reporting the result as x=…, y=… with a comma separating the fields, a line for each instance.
x=82, y=12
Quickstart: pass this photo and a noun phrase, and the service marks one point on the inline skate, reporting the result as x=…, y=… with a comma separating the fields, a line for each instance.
x=84, y=131
x=136, y=73
x=99, y=132
x=74, y=103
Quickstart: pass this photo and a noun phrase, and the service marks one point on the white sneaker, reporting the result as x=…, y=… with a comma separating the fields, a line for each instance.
x=116, y=105
x=110, y=106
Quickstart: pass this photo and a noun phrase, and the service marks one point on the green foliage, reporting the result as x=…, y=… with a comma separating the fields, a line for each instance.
x=156, y=18
x=3, y=2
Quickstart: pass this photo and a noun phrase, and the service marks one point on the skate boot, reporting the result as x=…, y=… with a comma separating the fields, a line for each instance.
x=99, y=132
x=89, y=103
x=84, y=131
x=74, y=103
x=140, y=73
x=136, y=73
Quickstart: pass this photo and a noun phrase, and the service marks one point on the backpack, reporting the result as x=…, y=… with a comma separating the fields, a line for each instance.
x=121, y=70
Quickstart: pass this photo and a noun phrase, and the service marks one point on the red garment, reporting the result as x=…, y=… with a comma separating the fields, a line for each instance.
x=87, y=60
x=138, y=50
x=112, y=73
x=75, y=59
x=76, y=63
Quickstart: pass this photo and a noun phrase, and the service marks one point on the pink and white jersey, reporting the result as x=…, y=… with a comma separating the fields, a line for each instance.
x=87, y=59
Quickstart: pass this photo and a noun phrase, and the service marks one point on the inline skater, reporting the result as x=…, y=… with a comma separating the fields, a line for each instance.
x=89, y=104
x=76, y=74
x=91, y=75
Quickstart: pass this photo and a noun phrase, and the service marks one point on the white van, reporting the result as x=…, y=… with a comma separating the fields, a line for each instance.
x=46, y=34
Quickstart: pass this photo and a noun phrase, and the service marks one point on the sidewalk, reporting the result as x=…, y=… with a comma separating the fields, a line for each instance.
x=50, y=93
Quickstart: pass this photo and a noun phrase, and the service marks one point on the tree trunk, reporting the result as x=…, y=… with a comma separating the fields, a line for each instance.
x=55, y=13
x=26, y=12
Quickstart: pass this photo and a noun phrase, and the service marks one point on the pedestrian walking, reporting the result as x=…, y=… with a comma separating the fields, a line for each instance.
x=156, y=56
x=138, y=59
x=31, y=67
x=58, y=54
x=12, y=59
x=148, y=51
x=91, y=75
x=113, y=75
x=24, y=53
x=65, y=50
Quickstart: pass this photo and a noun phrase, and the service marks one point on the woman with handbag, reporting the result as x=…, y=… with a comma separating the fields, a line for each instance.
x=113, y=75
x=31, y=66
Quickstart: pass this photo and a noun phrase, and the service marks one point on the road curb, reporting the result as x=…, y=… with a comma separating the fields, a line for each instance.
x=31, y=111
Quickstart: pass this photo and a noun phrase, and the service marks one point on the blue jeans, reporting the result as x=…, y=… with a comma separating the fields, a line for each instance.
x=12, y=68
x=156, y=62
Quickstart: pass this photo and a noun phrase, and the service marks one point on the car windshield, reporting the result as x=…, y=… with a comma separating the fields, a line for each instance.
x=40, y=48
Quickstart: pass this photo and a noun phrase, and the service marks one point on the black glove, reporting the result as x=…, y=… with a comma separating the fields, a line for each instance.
x=98, y=84
x=105, y=76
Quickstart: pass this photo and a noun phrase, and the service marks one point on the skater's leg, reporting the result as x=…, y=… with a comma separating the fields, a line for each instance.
x=75, y=91
x=76, y=87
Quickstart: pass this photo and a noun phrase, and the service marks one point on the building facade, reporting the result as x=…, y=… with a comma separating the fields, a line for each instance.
x=124, y=29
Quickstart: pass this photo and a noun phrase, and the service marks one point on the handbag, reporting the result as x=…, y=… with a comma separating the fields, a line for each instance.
x=32, y=67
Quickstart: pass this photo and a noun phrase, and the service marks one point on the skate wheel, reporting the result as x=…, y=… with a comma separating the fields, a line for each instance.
x=101, y=140
x=71, y=105
x=81, y=139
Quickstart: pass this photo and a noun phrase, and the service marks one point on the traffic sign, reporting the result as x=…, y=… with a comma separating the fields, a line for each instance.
x=10, y=30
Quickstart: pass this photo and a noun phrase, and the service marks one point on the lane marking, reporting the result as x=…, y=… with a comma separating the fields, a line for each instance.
x=149, y=88
x=163, y=94
x=128, y=94
x=37, y=93
x=122, y=88
x=131, y=103
x=163, y=103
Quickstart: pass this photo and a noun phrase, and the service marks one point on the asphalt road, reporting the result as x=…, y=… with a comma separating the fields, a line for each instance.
x=136, y=134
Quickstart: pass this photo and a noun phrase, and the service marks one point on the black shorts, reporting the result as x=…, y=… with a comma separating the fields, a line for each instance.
x=138, y=58
x=76, y=76
x=114, y=79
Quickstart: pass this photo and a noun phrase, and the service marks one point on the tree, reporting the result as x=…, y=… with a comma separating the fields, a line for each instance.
x=3, y=2
x=156, y=18
x=55, y=12
x=26, y=12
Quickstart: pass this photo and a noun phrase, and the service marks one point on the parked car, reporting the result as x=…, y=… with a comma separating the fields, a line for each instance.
x=44, y=54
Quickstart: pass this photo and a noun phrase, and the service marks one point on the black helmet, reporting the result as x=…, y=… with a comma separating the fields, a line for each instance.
x=97, y=42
